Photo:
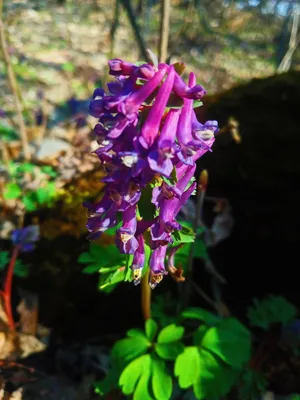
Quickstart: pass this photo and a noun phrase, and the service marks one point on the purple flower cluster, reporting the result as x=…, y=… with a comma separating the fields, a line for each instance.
x=147, y=146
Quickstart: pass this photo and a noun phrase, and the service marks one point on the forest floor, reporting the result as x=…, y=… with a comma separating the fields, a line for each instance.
x=64, y=50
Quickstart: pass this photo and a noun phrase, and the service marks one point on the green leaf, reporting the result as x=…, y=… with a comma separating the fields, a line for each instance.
x=210, y=377
x=230, y=341
x=128, y=270
x=68, y=67
x=91, y=269
x=199, y=334
x=148, y=253
x=197, y=103
x=174, y=175
x=187, y=367
x=48, y=170
x=4, y=259
x=106, y=256
x=107, y=270
x=7, y=132
x=29, y=201
x=136, y=333
x=112, y=231
x=169, y=351
x=215, y=379
x=25, y=167
x=43, y=195
x=13, y=168
x=208, y=372
x=96, y=250
x=112, y=278
x=200, y=250
x=172, y=180
x=109, y=383
x=142, y=389
x=85, y=258
x=139, y=63
x=273, y=309
x=251, y=384
x=201, y=315
x=185, y=235
x=170, y=333
x=135, y=377
x=161, y=381
x=12, y=191
x=130, y=348
x=131, y=375
x=51, y=188
x=150, y=329
x=21, y=270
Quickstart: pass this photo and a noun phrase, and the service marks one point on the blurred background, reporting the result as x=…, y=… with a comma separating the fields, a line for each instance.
x=53, y=55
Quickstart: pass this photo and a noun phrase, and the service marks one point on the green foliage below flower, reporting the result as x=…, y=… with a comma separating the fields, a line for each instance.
x=111, y=264
x=43, y=195
x=251, y=385
x=21, y=270
x=141, y=363
x=4, y=259
x=7, y=132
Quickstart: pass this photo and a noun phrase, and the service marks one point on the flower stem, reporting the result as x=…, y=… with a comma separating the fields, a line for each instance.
x=7, y=287
x=146, y=296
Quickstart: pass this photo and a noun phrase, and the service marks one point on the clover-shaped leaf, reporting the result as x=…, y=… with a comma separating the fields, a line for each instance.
x=273, y=309
x=170, y=333
x=230, y=341
x=151, y=329
x=128, y=349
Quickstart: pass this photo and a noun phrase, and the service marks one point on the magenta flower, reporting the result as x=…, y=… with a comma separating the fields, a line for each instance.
x=138, y=260
x=148, y=149
x=157, y=266
x=160, y=159
x=126, y=241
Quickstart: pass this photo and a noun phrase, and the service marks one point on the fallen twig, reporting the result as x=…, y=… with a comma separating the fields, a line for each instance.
x=164, y=30
x=14, y=88
x=293, y=44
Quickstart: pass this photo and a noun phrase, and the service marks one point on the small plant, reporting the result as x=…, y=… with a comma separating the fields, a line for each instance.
x=273, y=309
x=33, y=185
x=251, y=384
x=208, y=358
x=21, y=270
x=24, y=240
